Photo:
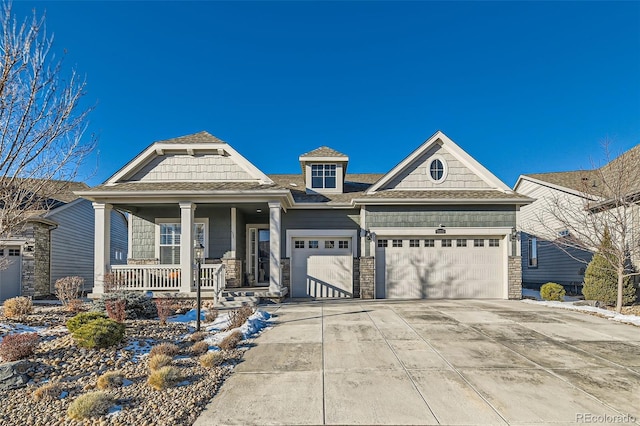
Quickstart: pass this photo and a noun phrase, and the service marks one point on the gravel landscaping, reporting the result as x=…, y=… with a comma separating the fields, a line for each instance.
x=58, y=359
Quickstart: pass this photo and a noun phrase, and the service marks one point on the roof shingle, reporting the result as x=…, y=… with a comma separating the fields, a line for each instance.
x=200, y=137
x=324, y=151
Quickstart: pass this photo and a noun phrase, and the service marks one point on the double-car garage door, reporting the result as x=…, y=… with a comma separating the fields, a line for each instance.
x=440, y=268
x=322, y=267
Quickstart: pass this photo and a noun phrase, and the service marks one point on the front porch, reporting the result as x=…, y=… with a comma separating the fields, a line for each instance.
x=240, y=246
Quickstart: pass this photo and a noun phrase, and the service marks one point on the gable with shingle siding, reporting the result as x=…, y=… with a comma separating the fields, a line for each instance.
x=183, y=167
x=415, y=177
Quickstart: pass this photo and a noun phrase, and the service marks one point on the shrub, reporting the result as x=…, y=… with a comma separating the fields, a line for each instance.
x=211, y=359
x=197, y=336
x=47, y=392
x=601, y=280
x=110, y=379
x=165, y=349
x=18, y=307
x=211, y=315
x=90, y=404
x=99, y=333
x=164, y=378
x=231, y=341
x=18, y=346
x=116, y=309
x=552, y=291
x=75, y=305
x=164, y=309
x=199, y=348
x=237, y=317
x=82, y=319
x=68, y=289
x=158, y=361
x=137, y=305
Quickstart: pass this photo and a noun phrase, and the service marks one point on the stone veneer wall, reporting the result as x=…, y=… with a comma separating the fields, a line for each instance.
x=356, y=278
x=367, y=277
x=285, y=264
x=233, y=272
x=36, y=260
x=515, y=277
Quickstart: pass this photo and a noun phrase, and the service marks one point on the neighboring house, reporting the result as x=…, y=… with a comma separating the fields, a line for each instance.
x=543, y=260
x=55, y=244
x=438, y=225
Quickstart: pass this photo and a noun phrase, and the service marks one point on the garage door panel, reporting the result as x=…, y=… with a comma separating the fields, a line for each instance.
x=324, y=270
x=438, y=272
x=329, y=276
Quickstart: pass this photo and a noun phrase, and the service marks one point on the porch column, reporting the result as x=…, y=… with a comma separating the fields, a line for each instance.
x=234, y=233
x=187, y=210
x=275, y=281
x=102, y=245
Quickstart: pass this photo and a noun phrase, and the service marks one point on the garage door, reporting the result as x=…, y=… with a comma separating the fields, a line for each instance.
x=440, y=268
x=322, y=267
x=10, y=269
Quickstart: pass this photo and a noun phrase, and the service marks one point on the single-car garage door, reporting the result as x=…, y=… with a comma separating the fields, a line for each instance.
x=322, y=267
x=440, y=268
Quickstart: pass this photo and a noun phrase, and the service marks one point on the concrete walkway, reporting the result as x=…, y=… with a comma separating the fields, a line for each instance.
x=434, y=362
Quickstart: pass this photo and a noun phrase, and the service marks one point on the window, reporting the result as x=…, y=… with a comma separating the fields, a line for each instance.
x=478, y=243
x=329, y=244
x=533, y=252
x=397, y=243
x=118, y=254
x=170, y=241
x=313, y=244
x=429, y=243
x=14, y=252
x=1, y=252
x=323, y=175
x=461, y=243
x=343, y=244
x=382, y=243
x=494, y=242
x=446, y=243
x=298, y=244
x=414, y=243
x=437, y=170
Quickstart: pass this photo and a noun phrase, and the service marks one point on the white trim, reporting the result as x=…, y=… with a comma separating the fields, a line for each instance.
x=160, y=148
x=440, y=201
x=445, y=169
x=453, y=149
x=325, y=233
x=339, y=189
x=197, y=220
x=458, y=231
x=505, y=266
x=234, y=232
x=363, y=227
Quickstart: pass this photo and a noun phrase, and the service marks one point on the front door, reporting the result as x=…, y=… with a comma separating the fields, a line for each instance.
x=258, y=253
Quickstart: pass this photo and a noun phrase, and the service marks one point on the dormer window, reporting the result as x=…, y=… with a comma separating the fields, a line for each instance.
x=323, y=176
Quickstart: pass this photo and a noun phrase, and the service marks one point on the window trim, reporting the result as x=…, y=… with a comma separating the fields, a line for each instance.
x=326, y=169
x=197, y=221
x=532, y=262
x=445, y=169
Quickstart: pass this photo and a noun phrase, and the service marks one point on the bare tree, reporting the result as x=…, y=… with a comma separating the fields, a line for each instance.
x=608, y=202
x=42, y=121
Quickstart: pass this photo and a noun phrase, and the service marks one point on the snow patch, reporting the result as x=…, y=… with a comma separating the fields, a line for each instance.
x=612, y=316
x=255, y=324
x=140, y=348
x=114, y=410
x=536, y=294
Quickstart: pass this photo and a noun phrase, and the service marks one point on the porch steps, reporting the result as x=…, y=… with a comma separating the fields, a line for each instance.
x=227, y=301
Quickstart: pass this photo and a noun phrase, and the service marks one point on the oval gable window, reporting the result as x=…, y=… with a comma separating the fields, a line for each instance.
x=437, y=170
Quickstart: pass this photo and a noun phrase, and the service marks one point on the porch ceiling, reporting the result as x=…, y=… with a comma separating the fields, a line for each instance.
x=253, y=212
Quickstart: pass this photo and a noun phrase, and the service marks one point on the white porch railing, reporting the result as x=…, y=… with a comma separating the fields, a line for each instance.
x=166, y=277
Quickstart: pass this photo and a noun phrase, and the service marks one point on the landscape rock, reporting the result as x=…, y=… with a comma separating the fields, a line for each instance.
x=13, y=374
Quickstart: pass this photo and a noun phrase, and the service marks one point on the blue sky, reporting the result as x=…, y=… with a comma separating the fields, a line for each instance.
x=523, y=87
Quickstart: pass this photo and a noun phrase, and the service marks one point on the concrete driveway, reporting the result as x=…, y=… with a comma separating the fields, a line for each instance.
x=434, y=362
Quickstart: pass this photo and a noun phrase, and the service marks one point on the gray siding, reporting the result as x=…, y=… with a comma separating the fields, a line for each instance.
x=433, y=216
x=72, y=241
x=143, y=233
x=183, y=167
x=318, y=219
x=144, y=229
x=554, y=264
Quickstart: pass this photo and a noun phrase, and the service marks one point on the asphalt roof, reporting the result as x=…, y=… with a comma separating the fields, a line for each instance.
x=200, y=137
x=324, y=151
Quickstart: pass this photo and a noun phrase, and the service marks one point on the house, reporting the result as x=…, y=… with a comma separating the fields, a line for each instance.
x=438, y=225
x=547, y=256
x=56, y=243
